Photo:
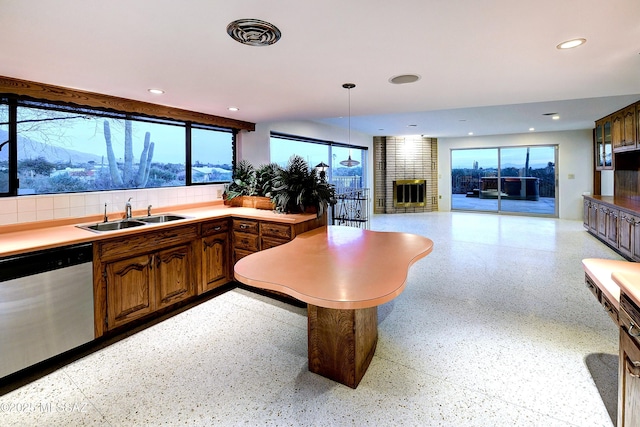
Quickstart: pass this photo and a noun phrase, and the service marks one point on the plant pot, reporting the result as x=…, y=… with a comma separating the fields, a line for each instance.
x=236, y=202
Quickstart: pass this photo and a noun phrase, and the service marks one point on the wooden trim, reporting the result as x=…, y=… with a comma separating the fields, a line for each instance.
x=11, y=86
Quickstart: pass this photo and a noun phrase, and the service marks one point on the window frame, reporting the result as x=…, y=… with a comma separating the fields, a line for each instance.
x=15, y=101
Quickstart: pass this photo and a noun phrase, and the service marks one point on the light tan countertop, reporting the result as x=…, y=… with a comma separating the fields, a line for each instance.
x=629, y=282
x=337, y=267
x=613, y=276
x=22, y=238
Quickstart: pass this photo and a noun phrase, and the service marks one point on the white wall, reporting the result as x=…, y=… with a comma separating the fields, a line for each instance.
x=574, y=159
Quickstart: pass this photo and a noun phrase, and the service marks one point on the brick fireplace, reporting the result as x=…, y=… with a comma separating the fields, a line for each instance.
x=405, y=174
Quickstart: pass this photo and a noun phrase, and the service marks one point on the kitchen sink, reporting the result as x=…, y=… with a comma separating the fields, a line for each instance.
x=112, y=225
x=161, y=218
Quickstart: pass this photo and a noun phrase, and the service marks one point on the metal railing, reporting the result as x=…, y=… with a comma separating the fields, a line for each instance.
x=352, y=208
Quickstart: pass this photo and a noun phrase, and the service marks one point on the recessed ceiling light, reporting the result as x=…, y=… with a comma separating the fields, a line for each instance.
x=233, y=109
x=404, y=78
x=570, y=44
x=531, y=129
x=470, y=133
x=555, y=117
x=156, y=91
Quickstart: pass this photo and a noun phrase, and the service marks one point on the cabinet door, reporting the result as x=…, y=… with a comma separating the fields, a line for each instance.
x=586, y=206
x=173, y=275
x=616, y=132
x=635, y=238
x=215, y=260
x=612, y=226
x=593, y=218
x=629, y=127
x=130, y=290
x=626, y=226
x=602, y=215
x=629, y=381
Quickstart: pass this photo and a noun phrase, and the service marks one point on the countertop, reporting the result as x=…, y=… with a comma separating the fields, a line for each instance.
x=22, y=238
x=614, y=276
x=629, y=282
x=337, y=267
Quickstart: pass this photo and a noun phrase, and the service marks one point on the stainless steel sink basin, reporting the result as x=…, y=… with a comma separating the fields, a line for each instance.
x=161, y=218
x=112, y=225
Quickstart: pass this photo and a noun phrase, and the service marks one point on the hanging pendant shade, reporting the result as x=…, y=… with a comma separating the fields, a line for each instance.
x=349, y=162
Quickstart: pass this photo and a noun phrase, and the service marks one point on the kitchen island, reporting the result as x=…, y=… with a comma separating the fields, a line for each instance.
x=343, y=274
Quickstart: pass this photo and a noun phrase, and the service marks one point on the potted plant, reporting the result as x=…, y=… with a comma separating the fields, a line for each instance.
x=243, y=183
x=264, y=185
x=297, y=188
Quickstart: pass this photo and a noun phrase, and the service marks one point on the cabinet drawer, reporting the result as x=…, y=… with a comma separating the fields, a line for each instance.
x=281, y=231
x=146, y=242
x=592, y=287
x=245, y=225
x=245, y=241
x=609, y=308
x=214, y=227
x=270, y=242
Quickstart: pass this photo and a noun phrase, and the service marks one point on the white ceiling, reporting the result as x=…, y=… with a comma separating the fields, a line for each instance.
x=492, y=63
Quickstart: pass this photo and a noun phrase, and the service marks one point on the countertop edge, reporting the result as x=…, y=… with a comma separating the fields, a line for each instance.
x=21, y=238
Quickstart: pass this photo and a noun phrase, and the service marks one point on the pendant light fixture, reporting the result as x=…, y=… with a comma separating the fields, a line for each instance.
x=349, y=162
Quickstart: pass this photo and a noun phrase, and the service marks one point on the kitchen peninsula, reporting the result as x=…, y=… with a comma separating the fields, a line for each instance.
x=343, y=274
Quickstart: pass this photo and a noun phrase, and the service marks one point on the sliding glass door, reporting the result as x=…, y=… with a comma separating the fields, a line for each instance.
x=507, y=179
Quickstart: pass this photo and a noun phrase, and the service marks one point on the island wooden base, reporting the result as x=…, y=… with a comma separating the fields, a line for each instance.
x=342, y=342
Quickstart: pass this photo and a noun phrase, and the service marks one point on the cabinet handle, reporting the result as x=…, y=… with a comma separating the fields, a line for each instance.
x=243, y=226
x=217, y=228
x=631, y=326
x=635, y=371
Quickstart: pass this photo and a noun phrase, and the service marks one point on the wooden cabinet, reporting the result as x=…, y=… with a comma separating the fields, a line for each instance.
x=142, y=273
x=629, y=235
x=173, y=279
x=611, y=226
x=129, y=288
x=274, y=234
x=629, y=364
x=623, y=129
x=246, y=239
x=216, y=265
x=593, y=217
x=603, y=144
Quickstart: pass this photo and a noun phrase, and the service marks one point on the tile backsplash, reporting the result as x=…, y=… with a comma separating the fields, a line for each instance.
x=15, y=210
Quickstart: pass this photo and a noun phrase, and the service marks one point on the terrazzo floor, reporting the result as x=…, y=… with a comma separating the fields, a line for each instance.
x=495, y=328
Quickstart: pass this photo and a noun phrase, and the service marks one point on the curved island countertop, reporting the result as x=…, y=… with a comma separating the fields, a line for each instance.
x=337, y=267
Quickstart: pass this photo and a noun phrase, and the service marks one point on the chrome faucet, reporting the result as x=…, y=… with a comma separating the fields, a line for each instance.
x=149, y=210
x=127, y=209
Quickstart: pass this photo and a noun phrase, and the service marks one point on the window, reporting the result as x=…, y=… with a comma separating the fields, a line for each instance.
x=212, y=155
x=4, y=148
x=519, y=179
x=63, y=149
x=343, y=174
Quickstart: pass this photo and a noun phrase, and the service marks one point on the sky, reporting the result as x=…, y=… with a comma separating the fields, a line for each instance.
x=87, y=135
x=509, y=156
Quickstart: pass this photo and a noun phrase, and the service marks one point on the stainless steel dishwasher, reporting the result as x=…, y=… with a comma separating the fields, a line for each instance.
x=46, y=305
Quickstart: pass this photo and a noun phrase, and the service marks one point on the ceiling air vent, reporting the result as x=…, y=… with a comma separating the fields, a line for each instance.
x=254, y=32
